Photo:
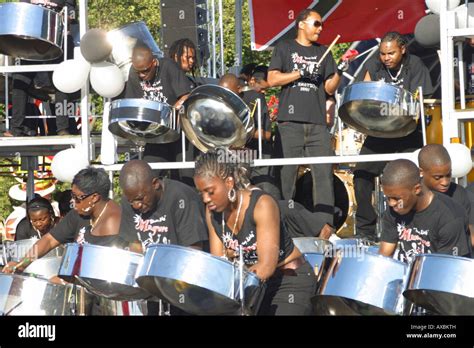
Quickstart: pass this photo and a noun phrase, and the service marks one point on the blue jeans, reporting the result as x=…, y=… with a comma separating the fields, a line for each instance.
x=295, y=139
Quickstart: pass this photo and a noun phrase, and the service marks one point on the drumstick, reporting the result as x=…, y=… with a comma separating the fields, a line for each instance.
x=328, y=50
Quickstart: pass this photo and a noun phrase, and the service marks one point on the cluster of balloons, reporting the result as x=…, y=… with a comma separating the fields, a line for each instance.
x=427, y=30
x=105, y=77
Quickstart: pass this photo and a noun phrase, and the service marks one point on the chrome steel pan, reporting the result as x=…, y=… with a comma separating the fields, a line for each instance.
x=104, y=271
x=443, y=284
x=124, y=39
x=197, y=282
x=216, y=117
x=366, y=285
x=379, y=109
x=30, y=32
x=144, y=121
x=22, y=295
x=314, y=250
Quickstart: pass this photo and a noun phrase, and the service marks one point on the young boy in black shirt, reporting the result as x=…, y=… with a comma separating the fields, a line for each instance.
x=418, y=220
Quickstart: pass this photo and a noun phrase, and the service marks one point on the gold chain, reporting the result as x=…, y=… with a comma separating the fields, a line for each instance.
x=94, y=223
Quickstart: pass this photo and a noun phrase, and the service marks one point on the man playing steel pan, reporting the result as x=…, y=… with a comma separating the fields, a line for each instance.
x=418, y=220
x=159, y=80
x=395, y=66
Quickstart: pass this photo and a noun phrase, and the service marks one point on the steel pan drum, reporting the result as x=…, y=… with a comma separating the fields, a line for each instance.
x=104, y=271
x=124, y=39
x=144, y=121
x=45, y=267
x=21, y=295
x=369, y=285
x=197, y=282
x=379, y=109
x=30, y=32
x=443, y=284
x=216, y=117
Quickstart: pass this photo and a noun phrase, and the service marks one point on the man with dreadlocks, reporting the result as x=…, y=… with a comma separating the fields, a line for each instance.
x=238, y=215
x=183, y=52
x=394, y=66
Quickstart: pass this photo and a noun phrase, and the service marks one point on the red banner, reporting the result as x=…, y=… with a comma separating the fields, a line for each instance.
x=354, y=20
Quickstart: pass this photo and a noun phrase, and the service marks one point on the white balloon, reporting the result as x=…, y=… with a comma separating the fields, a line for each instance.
x=71, y=75
x=435, y=5
x=461, y=161
x=68, y=163
x=107, y=79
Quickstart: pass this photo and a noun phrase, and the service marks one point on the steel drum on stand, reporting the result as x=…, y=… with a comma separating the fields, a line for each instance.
x=22, y=295
x=216, y=117
x=379, y=109
x=30, y=32
x=104, y=271
x=144, y=121
x=369, y=285
x=443, y=284
x=197, y=282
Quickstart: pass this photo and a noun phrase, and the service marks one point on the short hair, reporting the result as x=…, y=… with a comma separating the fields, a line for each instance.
x=394, y=36
x=141, y=51
x=221, y=163
x=230, y=80
x=93, y=180
x=401, y=172
x=38, y=204
x=135, y=173
x=260, y=73
x=177, y=49
x=433, y=155
x=302, y=17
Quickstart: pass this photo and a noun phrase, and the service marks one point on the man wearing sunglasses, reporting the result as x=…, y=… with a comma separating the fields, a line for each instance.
x=302, y=129
x=160, y=80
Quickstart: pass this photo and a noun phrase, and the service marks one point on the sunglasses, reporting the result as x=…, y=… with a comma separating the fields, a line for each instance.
x=79, y=199
x=316, y=23
x=147, y=70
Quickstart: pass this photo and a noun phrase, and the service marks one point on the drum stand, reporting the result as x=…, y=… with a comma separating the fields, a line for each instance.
x=379, y=206
x=241, y=281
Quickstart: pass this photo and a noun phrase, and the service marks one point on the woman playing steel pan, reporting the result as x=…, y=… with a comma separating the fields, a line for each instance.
x=40, y=219
x=95, y=219
x=240, y=216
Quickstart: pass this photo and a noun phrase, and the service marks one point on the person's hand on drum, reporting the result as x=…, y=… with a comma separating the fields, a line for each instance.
x=326, y=232
x=11, y=267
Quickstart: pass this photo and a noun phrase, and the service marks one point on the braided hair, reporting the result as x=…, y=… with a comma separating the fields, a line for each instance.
x=37, y=204
x=177, y=50
x=223, y=163
x=394, y=36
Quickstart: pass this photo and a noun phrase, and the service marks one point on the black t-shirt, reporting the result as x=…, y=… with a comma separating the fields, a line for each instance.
x=247, y=235
x=167, y=86
x=24, y=230
x=178, y=218
x=299, y=221
x=440, y=228
x=302, y=100
x=250, y=98
x=459, y=195
x=411, y=74
x=76, y=228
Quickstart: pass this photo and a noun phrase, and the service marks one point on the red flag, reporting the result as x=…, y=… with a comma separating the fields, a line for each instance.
x=353, y=20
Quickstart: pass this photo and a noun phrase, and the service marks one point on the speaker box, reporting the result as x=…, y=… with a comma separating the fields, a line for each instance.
x=182, y=19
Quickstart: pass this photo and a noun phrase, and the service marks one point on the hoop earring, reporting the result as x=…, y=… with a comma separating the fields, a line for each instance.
x=232, y=195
